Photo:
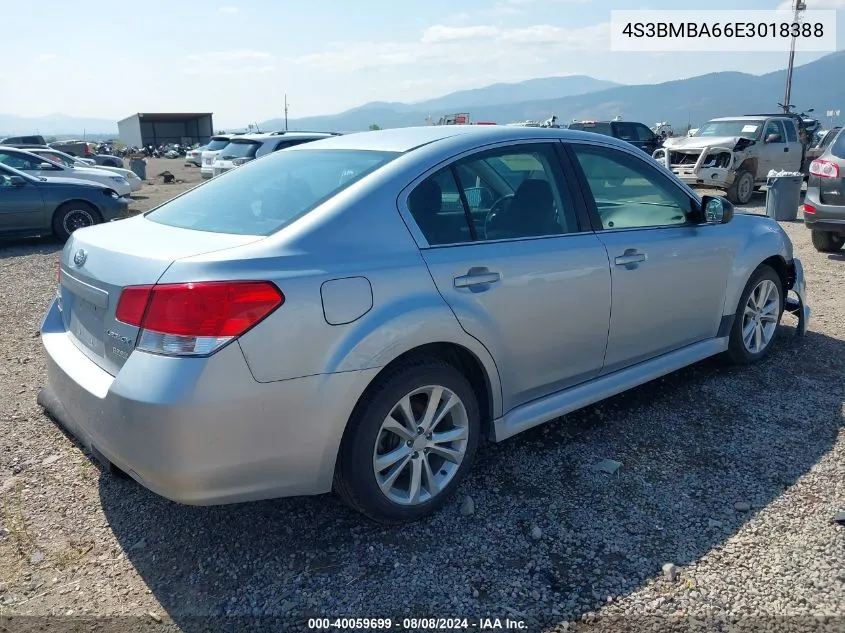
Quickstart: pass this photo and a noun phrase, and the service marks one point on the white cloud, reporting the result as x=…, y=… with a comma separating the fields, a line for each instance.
x=216, y=70
x=229, y=56
x=46, y=57
x=443, y=46
x=441, y=33
x=228, y=9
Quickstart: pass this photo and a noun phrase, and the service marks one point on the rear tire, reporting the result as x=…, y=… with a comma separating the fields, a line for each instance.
x=379, y=460
x=72, y=216
x=757, y=317
x=827, y=242
x=742, y=189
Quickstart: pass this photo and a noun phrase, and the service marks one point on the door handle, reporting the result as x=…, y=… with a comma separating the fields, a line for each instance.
x=630, y=257
x=477, y=277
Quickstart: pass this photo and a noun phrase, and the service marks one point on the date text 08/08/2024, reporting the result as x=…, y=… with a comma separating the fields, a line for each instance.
x=415, y=624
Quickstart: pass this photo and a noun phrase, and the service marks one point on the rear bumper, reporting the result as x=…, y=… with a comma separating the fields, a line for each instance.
x=828, y=217
x=200, y=430
x=207, y=171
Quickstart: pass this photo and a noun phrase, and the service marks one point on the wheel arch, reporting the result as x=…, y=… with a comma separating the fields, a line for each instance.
x=737, y=285
x=485, y=386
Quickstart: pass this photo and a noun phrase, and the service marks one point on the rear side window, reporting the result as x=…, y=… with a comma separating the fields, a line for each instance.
x=838, y=146
x=266, y=195
x=217, y=143
x=828, y=138
x=511, y=193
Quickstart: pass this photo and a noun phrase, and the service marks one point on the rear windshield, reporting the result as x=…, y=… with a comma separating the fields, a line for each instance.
x=239, y=149
x=266, y=195
x=838, y=146
x=598, y=128
x=217, y=143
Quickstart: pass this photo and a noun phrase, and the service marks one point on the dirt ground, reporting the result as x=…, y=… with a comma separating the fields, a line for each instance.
x=732, y=476
x=155, y=191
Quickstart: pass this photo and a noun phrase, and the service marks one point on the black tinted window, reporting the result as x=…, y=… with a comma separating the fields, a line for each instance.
x=266, y=195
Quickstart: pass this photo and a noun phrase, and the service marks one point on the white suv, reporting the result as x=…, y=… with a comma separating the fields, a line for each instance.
x=210, y=153
x=244, y=148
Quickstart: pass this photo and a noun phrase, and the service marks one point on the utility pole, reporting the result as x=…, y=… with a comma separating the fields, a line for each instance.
x=798, y=6
x=286, y=112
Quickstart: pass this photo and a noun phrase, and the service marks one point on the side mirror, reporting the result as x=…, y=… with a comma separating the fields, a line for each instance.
x=773, y=138
x=17, y=181
x=46, y=165
x=716, y=210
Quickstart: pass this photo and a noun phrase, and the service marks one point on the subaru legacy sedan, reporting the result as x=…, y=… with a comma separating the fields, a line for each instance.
x=357, y=313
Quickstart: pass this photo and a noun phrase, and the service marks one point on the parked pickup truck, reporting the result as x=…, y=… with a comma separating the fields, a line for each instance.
x=735, y=154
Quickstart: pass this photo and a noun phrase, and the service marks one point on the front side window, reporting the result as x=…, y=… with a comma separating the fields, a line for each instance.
x=774, y=127
x=791, y=136
x=630, y=193
x=55, y=158
x=511, y=193
x=25, y=162
x=266, y=195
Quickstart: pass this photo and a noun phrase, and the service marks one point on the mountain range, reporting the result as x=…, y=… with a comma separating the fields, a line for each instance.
x=693, y=100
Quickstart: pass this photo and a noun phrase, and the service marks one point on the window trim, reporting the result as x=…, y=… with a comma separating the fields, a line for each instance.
x=668, y=179
x=553, y=142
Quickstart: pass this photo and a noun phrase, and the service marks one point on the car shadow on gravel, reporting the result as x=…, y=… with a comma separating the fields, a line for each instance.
x=17, y=247
x=701, y=452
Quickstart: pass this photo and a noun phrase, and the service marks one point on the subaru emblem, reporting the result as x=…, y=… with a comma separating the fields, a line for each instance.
x=80, y=257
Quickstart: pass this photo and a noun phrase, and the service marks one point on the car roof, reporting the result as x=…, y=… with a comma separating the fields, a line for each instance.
x=409, y=138
x=747, y=117
x=263, y=136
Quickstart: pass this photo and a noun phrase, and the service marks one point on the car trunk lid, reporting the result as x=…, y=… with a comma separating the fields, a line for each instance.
x=97, y=263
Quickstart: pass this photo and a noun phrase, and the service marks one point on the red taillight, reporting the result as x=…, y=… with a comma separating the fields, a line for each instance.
x=808, y=208
x=132, y=304
x=824, y=169
x=203, y=309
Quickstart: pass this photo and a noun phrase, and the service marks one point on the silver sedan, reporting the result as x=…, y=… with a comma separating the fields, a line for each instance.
x=358, y=313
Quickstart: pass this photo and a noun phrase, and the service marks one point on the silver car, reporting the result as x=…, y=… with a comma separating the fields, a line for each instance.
x=358, y=313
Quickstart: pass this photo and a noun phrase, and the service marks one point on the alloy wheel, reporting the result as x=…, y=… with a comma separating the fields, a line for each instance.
x=420, y=445
x=77, y=219
x=760, y=317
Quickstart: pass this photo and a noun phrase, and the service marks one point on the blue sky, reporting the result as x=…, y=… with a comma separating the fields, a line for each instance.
x=237, y=58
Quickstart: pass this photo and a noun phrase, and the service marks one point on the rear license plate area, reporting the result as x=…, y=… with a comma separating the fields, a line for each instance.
x=85, y=323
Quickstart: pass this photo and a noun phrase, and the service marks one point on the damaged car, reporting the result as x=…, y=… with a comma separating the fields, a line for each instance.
x=735, y=154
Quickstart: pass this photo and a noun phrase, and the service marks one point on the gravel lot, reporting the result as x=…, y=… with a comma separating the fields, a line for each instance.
x=731, y=475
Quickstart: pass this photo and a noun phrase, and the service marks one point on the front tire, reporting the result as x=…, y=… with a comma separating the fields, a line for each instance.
x=409, y=443
x=757, y=317
x=742, y=189
x=827, y=242
x=72, y=216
